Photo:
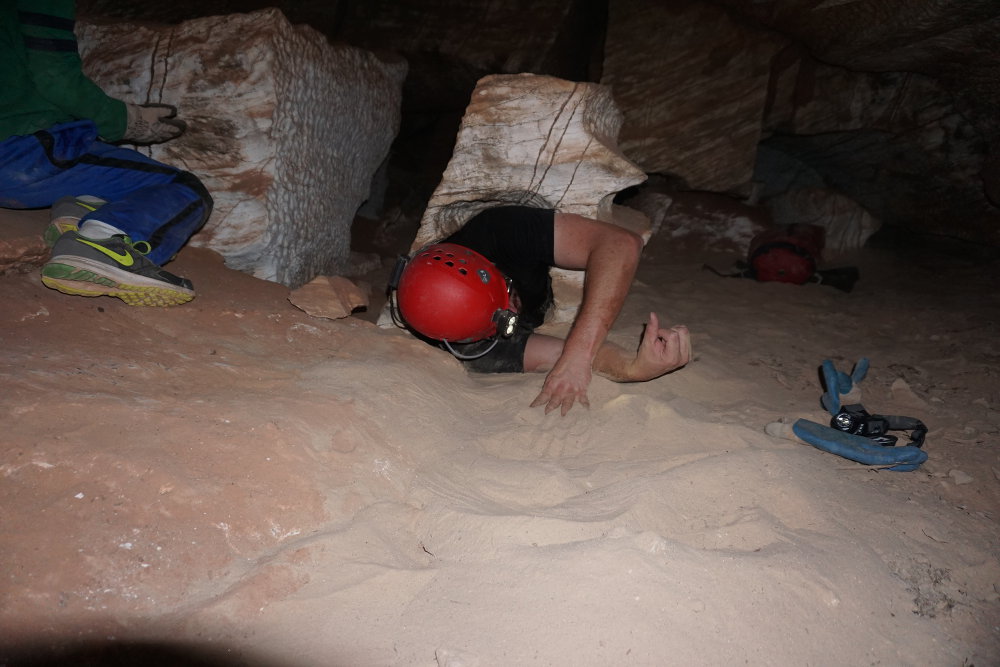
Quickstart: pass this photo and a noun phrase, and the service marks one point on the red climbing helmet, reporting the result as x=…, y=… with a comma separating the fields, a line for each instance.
x=451, y=293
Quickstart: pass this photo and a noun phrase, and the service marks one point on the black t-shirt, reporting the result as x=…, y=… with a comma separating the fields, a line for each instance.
x=520, y=240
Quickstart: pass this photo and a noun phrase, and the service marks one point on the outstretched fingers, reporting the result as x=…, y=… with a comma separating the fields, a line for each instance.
x=563, y=387
x=561, y=401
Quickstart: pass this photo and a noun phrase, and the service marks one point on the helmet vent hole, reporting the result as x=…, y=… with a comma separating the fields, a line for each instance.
x=463, y=270
x=449, y=263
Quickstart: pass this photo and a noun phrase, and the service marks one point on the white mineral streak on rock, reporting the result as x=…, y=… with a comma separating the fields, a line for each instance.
x=538, y=141
x=284, y=129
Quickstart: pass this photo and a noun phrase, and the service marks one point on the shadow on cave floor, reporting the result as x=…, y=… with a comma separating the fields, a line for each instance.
x=131, y=653
x=942, y=250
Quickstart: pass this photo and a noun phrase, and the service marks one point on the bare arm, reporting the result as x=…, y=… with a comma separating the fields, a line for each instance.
x=660, y=351
x=610, y=255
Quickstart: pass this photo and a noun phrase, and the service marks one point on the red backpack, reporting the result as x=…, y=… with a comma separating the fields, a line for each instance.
x=792, y=254
x=788, y=254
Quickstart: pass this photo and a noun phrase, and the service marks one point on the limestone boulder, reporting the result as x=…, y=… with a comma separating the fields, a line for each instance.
x=539, y=141
x=285, y=129
x=692, y=85
x=534, y=140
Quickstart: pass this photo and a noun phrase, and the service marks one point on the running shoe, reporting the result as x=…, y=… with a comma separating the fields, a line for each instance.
x=112, y=267
x=66, y=213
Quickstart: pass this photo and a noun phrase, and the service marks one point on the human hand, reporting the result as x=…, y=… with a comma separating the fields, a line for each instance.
x=565, y=384
x=152, y=123
x=660, y=350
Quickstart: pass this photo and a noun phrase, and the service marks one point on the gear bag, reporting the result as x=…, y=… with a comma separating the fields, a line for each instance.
x=791, y=254
x=788, y=254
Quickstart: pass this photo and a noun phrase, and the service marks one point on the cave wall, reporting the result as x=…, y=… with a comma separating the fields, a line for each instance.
x=916, y=86
x=892, y=103
x=957, y=42
x=894, y=142
x=692, y=84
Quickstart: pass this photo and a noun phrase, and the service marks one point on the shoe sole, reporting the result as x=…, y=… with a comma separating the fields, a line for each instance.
x=80, y=276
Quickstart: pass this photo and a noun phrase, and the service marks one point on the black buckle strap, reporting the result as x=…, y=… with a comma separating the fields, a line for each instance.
x=856, y=420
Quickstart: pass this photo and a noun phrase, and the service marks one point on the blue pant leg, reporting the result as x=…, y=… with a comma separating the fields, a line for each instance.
x=148, y=200
x=164, y=215
x=32, y=171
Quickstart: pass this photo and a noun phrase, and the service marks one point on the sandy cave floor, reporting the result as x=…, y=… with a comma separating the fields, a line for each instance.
x=235, y=482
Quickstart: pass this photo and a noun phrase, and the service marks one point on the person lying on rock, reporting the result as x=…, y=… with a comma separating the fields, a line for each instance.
x=482, y=291
x=116, y=215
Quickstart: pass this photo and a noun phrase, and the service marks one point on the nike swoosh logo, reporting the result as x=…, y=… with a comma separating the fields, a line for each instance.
x=124, y=259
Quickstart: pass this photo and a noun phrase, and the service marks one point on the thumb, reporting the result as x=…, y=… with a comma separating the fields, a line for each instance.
x=179, y=125
x=162, y=111
x=652, y=330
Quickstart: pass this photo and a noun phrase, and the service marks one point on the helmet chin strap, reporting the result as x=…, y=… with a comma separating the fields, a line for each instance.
x=393, y=287
x=466, y=357
x=506, y=321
